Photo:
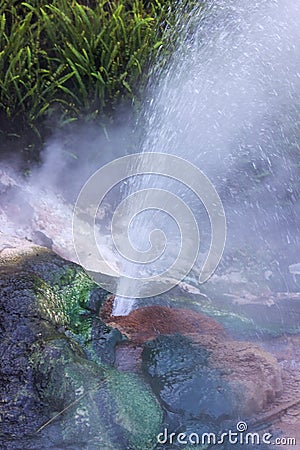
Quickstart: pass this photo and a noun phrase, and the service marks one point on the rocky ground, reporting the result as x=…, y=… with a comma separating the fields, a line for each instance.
x=58, y=388
x=284, y=412
x=197, y=358
x=263, y=377
x=72, y=375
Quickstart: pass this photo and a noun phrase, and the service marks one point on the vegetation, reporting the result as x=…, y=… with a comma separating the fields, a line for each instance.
x=70, y=58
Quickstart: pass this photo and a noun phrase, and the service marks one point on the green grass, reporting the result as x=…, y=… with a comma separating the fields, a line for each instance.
x=71, y=59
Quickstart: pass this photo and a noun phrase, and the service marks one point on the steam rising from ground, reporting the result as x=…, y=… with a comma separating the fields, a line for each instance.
x=39, y=205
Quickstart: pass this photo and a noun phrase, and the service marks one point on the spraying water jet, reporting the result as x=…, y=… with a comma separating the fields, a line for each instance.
x=217, y=104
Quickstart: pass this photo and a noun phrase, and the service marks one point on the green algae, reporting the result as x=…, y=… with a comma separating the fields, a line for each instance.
x=62, y=295
x=101, y=402
x=138, y=411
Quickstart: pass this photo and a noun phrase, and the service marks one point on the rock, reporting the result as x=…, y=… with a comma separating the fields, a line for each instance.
x=104, y=407
x=201, y=376
x=240, y=363
x=180, y=375
x=103, y=341
x=294, y=269
x=40, y=238
x=254, y=375
x=194, y=396
x=245, y=305
x=206, y=384
x=57, y=386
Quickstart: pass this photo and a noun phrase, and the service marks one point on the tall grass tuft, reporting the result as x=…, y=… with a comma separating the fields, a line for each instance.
x=75, y=58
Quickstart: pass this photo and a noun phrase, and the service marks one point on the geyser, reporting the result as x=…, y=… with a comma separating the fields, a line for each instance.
x=225, y=101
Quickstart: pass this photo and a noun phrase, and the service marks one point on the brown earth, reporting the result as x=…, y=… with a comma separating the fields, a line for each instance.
x=147, y=323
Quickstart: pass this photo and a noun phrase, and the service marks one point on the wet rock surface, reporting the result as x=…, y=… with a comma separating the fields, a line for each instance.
x=203, y=378
x=254, y=374
x=284, y=412
x=257, y=287
x=180, y=374
x=235, y=378
x=57, y=386
x=206, y=387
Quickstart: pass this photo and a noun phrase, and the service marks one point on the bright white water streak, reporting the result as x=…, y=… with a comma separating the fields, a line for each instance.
x=235, y=67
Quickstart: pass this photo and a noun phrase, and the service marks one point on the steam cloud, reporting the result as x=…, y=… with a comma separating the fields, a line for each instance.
x=227, y=101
